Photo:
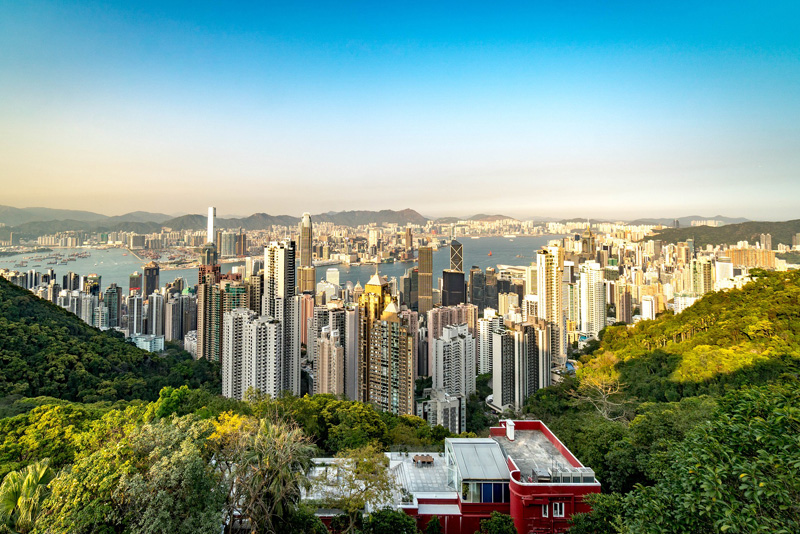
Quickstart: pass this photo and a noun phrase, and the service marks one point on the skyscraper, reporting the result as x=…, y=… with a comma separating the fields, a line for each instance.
x=477, y=288
x=282, y=303
x=593, y=298
x=155, y=314
x=456, y=256
x=330, y=367
x=135, y=284
x=306, y=273
x=209, y=317
x=135, y=318
x=112, y=299
x=549, y=263
x=522, y=363
x=454, y=364
x=425, y=279
x=212, y=212
x=390, y=375
x=233, y=349
x=372, y=303
x=150, y=279
x=453, y=288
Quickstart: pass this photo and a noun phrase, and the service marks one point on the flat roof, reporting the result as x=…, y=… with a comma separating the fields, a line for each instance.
x=479, y=459
x=530, y=450
x=416, y=478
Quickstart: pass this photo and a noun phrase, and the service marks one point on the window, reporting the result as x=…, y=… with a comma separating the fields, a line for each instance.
x=558, y=509
x=545, y=510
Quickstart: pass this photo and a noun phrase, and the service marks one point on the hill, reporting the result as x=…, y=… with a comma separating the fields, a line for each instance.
x=687, y=220
x=781, y=232
x=47, y=351
x=11, y=216
x=490, y=218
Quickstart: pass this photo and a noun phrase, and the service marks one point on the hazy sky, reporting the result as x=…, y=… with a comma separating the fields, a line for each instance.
x=614, y=109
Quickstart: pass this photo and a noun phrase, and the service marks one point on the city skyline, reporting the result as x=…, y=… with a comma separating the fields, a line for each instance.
x=620, y=111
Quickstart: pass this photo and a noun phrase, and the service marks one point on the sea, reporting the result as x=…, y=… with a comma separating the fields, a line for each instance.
x=115, y=265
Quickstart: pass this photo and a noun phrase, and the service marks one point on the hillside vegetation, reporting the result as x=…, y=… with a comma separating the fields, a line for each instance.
x=47, y=351
x=731, y=234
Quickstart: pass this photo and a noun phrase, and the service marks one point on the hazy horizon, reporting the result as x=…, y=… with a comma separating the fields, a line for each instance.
x=608, y=111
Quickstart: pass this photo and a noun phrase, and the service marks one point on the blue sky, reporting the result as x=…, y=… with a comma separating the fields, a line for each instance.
x=612, y=109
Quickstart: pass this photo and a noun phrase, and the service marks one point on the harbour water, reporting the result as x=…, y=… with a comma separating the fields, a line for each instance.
x=115, y=265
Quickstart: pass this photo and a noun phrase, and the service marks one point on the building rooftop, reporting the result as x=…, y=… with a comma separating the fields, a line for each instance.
x=479, y=459
x=419, y=479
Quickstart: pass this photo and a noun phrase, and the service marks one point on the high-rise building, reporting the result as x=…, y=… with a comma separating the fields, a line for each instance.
x=135, y=283
x=135, y=315
x=486, y=327
x=212, y=212
x=491, y=293
x=208, y=254
x=305, y=241
x=209, y=317
x=549, y=263
x=624, y=305
x=233, y=350
x=648, y=310
x=456, y=256
x=390, y=375
x=372, y=303
x=425, y=279
x=702, y=276
x=593, y=298
x=91, y=284
x=351, y=351
x=282, y=303
x=522, y=363
x=453, y=288
x=330, y=368
x=150, y=279
x=477, y=288
x=766, y=241
x=531, y=279
x=454, y=361
x=173, y=320
x=155, y=314
x=112, y=299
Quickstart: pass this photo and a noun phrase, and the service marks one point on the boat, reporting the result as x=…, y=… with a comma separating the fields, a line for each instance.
x=490, y=253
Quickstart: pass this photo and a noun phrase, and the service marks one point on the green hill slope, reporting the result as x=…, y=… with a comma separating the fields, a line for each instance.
x=47, y=351
x=731, y=234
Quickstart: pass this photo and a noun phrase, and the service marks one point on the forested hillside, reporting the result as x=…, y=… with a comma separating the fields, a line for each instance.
x=691, y=421
x=47, y=351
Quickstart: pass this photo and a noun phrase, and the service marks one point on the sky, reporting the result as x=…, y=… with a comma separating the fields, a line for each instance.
x=573, y=109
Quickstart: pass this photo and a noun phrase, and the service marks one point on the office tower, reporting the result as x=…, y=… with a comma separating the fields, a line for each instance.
x=241, y=244
x=150, y=279
x=91, y=284
x=330, y=368
x=112, y=299
x=491, y=290
x=549, y=263
x=212, y=212
x=351, y=351
x=307, y=279
x=371, y=303
x=281, y=303
x=593, y=298
x=425, y=279
x=486, y=326
x=453, y=288
x=305, y=241
x=155, y=314
x=454, y=363
x=624, y=303
x=208, y=254
x=390, y=376
x=409, y=289
x=456, y=256
x=135, y=283
x=408, y=242
x=209, y=318
x=477, y=288
x=135, y=315
x=522, y=363
x=173, y=315
x=188, y=315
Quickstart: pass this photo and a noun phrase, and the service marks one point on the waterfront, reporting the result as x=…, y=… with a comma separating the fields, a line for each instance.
x=115, y=265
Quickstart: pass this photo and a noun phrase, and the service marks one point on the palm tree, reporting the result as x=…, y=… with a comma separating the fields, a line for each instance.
x=22, y=494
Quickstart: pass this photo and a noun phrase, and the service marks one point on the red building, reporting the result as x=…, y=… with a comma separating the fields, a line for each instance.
x=522, y=469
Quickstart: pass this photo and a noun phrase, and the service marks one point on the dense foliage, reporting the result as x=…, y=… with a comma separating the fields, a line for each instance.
x=47, y=351
x=731, y=234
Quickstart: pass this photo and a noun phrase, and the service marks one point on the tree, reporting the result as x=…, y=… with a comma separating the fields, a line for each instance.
x=498, y=524
x=388, y=521
x=434, y=526
x=22, y=494
x=359, y=477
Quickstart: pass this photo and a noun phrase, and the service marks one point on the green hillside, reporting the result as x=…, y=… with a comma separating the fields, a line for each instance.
x=47, y=351
x=731, y=234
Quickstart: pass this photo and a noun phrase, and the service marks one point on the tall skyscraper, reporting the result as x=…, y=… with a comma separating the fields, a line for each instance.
x=135, y=284
x=456, y=256
x=330, y=367
x=390, y=375
x=112, y=299
x=522, y=363
x=173, y=320
x=549, y=263
x=593, y=298
x=453, y=288
x=425, y=279
x=209, y=317
x=150, y=279
x=282, y=303
x=477, y=288
x=372, y=303
x=212, y=212
x=233, y=349
x=487, y=325
x=306, y=272
x=155, y=314
x=135, y=315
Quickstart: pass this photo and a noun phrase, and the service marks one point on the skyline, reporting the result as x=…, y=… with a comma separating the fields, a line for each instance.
x=627, y=112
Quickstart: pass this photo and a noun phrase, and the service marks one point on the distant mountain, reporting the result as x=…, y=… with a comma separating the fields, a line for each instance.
x=11, y=216
x=357, y=218
x=141, y=216
x=490, y=218
x=730, y=234
x=687, y=221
